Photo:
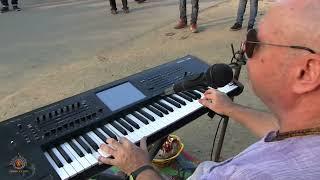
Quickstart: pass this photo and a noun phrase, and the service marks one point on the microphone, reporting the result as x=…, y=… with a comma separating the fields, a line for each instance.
x=217, y=75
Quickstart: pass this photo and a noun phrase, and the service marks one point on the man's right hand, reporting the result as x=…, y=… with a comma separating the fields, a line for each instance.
x=217, y=101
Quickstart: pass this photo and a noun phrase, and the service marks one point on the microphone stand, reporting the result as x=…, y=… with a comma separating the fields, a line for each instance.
x=237, y=61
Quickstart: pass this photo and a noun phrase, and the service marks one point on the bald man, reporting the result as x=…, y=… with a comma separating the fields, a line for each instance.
x=284, y=70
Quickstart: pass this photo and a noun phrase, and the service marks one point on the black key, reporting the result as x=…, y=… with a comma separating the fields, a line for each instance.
x=202, y=90
x=190, y=95
x=178, y=100
x=196, y=94
x=171, y=101
x=160, y=108
x=140, y=118
x=185, y=96
x=131, y=122
x=84, y=145
x=76, y=148
x=143, y=112
x=64, y=154
x=55, y=158
x=125, y=125
x=165, y=106
x=100, y=135
x=119, y=128
x=91, y=142
x=110, y=133
x=154, y=110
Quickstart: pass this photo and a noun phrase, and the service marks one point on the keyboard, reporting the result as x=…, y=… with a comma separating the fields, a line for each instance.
x=61, y=140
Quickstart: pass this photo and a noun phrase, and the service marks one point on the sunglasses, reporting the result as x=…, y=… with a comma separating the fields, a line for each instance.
x=252, y=42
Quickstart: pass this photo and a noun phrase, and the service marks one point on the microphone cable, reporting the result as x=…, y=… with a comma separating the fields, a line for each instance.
x=215, y=137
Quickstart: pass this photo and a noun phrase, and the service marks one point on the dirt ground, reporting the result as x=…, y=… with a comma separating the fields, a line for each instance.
x=155, y=47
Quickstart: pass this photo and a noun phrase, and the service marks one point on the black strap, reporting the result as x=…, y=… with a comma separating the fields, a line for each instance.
x=135, y=173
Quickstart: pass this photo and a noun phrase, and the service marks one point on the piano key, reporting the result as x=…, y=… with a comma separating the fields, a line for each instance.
x=160, y=108
x=173, y=96
x=198, y=96
x=95, y=138
x=100, y=135
x=189, y=95
x=145, y=130
x=94, y=153
x=82, y=160
x=173, y=102
x=132, y=123
x=165, y=106
x=202, y=90
x=158, y=119
x=132, y=135
x=151, y=118
x=125, y=124
x=114, y=130
x=84, y=145
x=117, y=133
x=185, y=96
x=67, y=167
x=108, y=132
x=60, y=171
x=76, y=149
x=153, y=122
x=74, y=162
x=140, y=118
x=55, y=158
x=154, y=110
x=89, y=157
x=64, y=154
x=90, y=142
x=102, y=132
x=119, y=128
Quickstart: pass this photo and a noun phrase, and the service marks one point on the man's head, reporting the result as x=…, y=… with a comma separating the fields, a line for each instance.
x=286, y=78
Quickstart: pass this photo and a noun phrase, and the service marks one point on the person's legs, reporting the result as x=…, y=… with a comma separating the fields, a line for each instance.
x=194, y=13
x=183, y=10
x=183, y=15
x=125, y=6
x=253, y=12
x=113, y=6
x=241, y=11
x=5, y=6
x=15, y=5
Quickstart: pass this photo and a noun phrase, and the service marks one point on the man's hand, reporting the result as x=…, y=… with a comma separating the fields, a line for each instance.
x=217, y=101
x=126, y=155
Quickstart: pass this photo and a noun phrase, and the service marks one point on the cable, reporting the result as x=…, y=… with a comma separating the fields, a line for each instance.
x=214, y=139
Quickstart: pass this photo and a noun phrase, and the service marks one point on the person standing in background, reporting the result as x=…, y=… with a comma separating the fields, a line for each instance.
x=114, y=6
x=241, y=10
x=5, y=6
x=183, y=15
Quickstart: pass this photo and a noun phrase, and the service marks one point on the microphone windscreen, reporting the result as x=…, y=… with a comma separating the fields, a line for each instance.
x=219, y=75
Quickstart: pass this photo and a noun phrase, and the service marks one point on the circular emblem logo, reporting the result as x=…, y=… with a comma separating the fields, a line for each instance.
x=18, y=162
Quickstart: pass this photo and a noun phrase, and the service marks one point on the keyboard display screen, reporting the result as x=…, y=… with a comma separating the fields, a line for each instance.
x=120, y=96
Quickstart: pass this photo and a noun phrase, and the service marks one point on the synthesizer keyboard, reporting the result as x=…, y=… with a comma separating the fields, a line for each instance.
x=61, y=140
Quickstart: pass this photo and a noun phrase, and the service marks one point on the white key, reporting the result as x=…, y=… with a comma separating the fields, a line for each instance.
x=60, y=171
x=162, y=121
x=75, y=164
x=132, y=135
x=95, y=138
x=144, y=130
x=227, y=88
x=117, y=133
x=94, y=153
x=67, y=167
x=82, y=160
x=89, y=157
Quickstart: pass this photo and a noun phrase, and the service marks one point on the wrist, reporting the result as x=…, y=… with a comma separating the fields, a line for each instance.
x=142, y=169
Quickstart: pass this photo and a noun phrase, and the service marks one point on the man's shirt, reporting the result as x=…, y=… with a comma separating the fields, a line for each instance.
x=291, y=158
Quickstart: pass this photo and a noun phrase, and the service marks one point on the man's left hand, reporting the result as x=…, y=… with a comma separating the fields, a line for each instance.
x=126, y=155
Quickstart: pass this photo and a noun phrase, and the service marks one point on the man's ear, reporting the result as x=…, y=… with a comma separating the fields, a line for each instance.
x=307, y=74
